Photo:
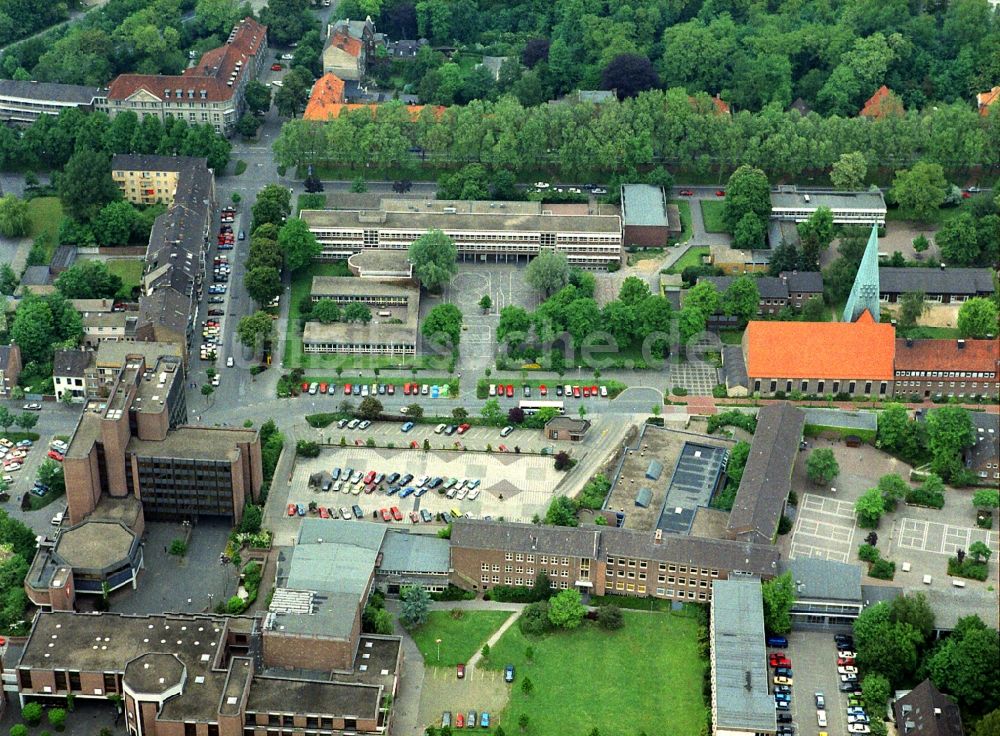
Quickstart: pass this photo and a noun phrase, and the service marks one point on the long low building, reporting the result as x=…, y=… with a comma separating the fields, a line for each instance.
x=392, y=330
x=506, y=232
x=941, y=285
x=947, y=368
x=789, y=203
x=25, y=102
x=349, y=290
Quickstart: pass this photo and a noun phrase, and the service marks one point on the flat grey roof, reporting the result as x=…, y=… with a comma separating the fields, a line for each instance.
x=423, y=221
x=696, y=476
x=44, y=91
x=354, y=332
x=349, y=285
x=380, y=259
x=816, y=578
x=644, y=204
x=739, y=666
x=95, y=544
x=197, y=443
x=791, y=198
x=461, y=206
x=861, y=419
x=271, y=695
x=415, y=553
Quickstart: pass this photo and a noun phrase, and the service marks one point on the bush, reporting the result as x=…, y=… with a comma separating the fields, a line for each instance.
x=32, y=714
x=610, y=617
x=868, y=553
x=882, y=569
x=319, y=421
x=784, y=525
x=534, y=619
x=453, y=593
x=967, y=568
x=307, y=448
x=57, y=718
x=732, y=418
x=593, y=494
x=19, y=730
x=178, y=548
x=922, y=497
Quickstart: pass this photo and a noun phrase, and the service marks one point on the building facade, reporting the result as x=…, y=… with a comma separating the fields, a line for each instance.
x=790, y=289
x=849, y=208
x=947, y=368
x=69, y=370
x=153, y=179
x=211, y=92
x=503, y=232
x=10, y=368
x=647, y=219
x=25, y=102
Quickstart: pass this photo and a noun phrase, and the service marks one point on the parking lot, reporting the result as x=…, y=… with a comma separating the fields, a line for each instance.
x=824, y=528
x=515, y=487
x=480, y=690
x=476, y=438
x=814, y=666
x=942, y=539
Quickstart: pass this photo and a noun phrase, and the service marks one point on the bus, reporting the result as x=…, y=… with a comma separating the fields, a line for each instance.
x=533, y=407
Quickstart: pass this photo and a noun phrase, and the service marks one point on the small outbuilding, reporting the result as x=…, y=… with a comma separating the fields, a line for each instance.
x=644, y=498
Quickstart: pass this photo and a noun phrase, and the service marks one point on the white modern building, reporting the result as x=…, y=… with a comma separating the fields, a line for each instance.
x=789, y=203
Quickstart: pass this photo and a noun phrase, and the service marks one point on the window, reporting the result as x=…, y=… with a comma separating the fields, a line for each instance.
x=190, y=729
x=25, y=679
x=509, y=556
x=60, y=680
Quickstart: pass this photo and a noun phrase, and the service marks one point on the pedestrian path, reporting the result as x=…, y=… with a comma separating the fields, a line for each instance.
x=491, y=642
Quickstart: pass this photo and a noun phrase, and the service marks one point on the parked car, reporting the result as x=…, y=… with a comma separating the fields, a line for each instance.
x=506, y=431
x=783, y=680
x=820, y=701
x=484, y=720
x=407, y=426
x=460, y=719
x=821, y=718
x=396, y=513
x=687, y=192
x=460, y=671
x=777, y=641
x=292, y=509
x=33, y=406
x=384, y=513
x=508, y=673
x=720, y=192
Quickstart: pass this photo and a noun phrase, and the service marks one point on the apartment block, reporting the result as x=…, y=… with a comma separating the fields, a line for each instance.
x=153, y=179
x=210, y=92
x=502, y=232
x=947, y=368
x=26, y=101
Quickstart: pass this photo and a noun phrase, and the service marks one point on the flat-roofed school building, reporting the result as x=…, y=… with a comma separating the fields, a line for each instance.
x=504, y=232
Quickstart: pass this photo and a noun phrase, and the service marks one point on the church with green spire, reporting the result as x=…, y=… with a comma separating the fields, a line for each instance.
x=865, y=291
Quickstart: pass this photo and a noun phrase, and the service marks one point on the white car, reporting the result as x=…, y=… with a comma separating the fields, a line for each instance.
x=858, y=728
x=604, y=392
x=277, y=83
x=216, y=379
x=57, y=520
x=541, y=185
x=473, y=494
x=847, y=670
x=439, y=429
x=857, y=718
x=821, y=718
x=848, y=678
x=229, y=362
x=493, y=389
x=287, y=57
x=845, y=654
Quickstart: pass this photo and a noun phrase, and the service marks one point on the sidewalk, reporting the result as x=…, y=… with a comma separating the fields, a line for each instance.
x=491, y=642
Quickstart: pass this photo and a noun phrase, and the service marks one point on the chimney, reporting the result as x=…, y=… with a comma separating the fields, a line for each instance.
x=937, y=712
x=942, y=267
x=961, y=344
x=909, y=342
x=658, y=537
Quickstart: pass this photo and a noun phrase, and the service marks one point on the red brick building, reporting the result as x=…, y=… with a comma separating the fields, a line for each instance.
x=945, y=368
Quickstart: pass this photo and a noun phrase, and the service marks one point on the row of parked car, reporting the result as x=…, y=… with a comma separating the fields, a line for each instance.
x=857, y=717
x=782, y=680
x=500, y=390
x=465, y=720
x=355, y=482
x=356, y=512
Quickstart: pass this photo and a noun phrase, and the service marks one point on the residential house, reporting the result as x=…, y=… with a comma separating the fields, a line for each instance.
x=790, y=289
x=926, y=711
x=942, y=285
x=328, y=100
x=947, y=368
x=210, y=92
x=405, y=50
x=69, y=369
x=818, y=358
x=882, y=104
x=170, y=314
x=566, y=428
x=153, y=179
x=347, y=51
x=10, y=368
x=986, y=100
x=25, y=102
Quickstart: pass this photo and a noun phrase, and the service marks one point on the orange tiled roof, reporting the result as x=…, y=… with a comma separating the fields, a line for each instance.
x=320, y=110
x=985, y=99
x=720, y=105
x=863, y=349
x=882, y=103
x=946, y=355
x=327, y=94
x=345, y=43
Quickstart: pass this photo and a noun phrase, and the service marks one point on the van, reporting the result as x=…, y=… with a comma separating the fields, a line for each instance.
x=384, y=313
x=57, y=520
x=777, y=641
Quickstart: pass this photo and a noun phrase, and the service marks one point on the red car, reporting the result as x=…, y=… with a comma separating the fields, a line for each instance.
x=966, y=195
x=406, y=389
x=593, y=390
x=305, y=386
x=460, y=672
x=845, y=661
x=323, y=387
x=292, y=510
x=369, y=477
x=385, y=515
x=510, y=390
x=720, y=192
x=778, y=659
x=276, y=67
x=323, y=513
x=396, y=513
x=463, y=428
x=55, y=455
x=576, y=392
x=460, y=718
x=370, y=488
x=347, y=389
x=503, y=448
x=687, y=192
x=414, y=517
x=390, y=389
x=586, y=392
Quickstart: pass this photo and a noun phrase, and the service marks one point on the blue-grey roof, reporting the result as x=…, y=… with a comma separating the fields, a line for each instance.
x=819, y=579
x=644, y=204
x=643, y=497
x=842, y=419
x=414, y=553
x=739, y=664
x=654, y=470
x=968, y=281
x=865, y=291
x=696, y=476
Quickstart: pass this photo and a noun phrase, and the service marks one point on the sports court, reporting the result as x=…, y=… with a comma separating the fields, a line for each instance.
x=824, y=528
x=942, y=539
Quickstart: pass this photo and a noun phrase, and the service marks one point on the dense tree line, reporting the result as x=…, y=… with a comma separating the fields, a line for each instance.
x=20, y=18
x=655, y=127
x=832, y=55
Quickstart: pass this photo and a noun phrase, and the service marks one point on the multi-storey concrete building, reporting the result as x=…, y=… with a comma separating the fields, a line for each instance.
x=135, y=445
x=25, y=102
x=601, y=560
x=507, y=232
x=153, y=179
x=211, y=92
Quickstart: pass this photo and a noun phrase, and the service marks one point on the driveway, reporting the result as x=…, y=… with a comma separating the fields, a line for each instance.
x=814, y=662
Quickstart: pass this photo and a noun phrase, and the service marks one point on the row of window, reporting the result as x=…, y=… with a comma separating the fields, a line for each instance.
x=374, y=301
x=929, y=384
x=945, y=374
x=821, y=387
x=485, y=579
x=361, y=347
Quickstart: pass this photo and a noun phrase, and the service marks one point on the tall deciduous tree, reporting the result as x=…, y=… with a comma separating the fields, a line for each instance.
x=298, y=245
x=88, y=280
x=949, y=432
x=273, y=205
x=85, y=185
x=869, y=508
x=977, y=318
x=920, y=190
x=779, y=597
x=416, y=604
x=254, y=329
x=628, y=75
x=14, y=220
x=443, y=326
x=822, y=466
x=565, y=610
x=849, y=171
x=742, y=298
x=548, y=272
x=748, y=191
x=965, y=666
x=885, y=646
x=263, y=283
x=433, y=257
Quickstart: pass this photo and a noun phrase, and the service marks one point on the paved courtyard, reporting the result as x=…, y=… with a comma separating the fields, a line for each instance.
x=824, y=528
x=697, y=377
x=942, y=539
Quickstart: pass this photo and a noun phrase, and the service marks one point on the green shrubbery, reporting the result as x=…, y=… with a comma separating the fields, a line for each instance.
x=593, y=494
x=732, y=418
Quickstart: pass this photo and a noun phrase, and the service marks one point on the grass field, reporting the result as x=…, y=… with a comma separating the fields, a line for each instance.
x=685, y=209
x=46, y=213
x=646, y=677
x=691, y=258
x=460, y=637
x=711, y=213
x=129, y=270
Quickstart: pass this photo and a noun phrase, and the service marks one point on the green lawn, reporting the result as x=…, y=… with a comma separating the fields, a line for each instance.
x=931, y=333
x=691, y=258
x=731, y=337
x=460, y=637
x=129, y=270
x=45, y=213
x=711, y=213
x=645, y=677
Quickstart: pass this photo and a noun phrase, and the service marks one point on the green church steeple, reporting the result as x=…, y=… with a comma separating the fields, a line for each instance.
x=864, y=293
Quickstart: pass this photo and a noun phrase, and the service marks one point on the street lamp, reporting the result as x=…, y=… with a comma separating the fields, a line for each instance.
x=438, y=642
